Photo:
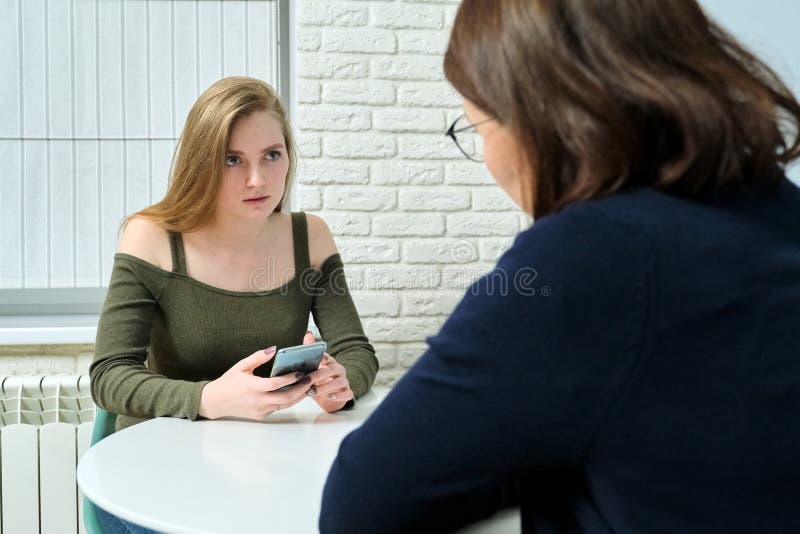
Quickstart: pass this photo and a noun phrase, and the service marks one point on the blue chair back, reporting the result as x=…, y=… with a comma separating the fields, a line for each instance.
x=104, y=425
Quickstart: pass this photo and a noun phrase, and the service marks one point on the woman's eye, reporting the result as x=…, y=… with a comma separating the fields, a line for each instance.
x=232, y=160
x=272, y=155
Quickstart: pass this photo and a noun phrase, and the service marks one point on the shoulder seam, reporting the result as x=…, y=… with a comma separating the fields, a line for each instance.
x=638, y=345
x=622, y=224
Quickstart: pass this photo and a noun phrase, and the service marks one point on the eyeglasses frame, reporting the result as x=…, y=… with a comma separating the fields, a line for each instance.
x=451, y=133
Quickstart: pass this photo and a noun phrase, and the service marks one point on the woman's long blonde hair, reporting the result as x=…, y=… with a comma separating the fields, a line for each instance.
x=198, y=161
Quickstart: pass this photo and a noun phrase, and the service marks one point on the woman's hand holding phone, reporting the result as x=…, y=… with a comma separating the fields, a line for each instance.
x=239, y=393
x=331, y=389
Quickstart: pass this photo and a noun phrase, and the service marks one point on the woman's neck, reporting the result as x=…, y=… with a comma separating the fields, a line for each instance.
x=236, y=237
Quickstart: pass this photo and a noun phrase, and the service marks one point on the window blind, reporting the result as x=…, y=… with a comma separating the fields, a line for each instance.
x=93, y=95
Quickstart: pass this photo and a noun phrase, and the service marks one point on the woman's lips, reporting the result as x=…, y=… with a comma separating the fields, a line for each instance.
x=256, y=200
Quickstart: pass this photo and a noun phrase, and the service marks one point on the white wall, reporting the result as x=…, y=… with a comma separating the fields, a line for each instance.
x=415, y=221
x=770, y=29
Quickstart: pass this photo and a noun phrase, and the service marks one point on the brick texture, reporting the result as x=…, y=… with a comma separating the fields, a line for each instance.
x=415, y=221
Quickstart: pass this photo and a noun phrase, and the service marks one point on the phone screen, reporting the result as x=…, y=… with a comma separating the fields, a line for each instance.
x=301, y=358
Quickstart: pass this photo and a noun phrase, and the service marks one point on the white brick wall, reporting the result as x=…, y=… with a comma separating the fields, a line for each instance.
x=415, y=221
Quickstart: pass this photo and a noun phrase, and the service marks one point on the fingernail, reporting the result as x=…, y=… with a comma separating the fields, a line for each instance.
x=298, y=375
x=332, y=396
x=311, y=392
x=269, y=351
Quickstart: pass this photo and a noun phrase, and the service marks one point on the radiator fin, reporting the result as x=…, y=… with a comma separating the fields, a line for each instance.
x=45, y=427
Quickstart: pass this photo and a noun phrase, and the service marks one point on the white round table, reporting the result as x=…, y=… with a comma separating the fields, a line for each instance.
x=222, y=476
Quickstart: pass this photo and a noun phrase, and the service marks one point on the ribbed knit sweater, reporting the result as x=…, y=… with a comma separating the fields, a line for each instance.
x=163, y=335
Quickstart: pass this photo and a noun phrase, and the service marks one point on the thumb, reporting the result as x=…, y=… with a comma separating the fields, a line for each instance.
x=254, y=360
x=308, y=338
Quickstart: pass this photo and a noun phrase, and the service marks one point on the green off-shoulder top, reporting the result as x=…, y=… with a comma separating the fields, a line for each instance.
x=162, y=336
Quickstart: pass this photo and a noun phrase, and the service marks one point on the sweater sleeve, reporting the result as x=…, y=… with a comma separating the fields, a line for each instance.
x=339, y=325
x=518, y=381
x=120, y=381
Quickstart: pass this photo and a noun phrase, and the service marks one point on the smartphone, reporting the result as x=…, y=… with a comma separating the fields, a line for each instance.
x=302, y=358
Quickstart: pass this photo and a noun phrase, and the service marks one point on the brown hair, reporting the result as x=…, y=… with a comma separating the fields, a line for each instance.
x=604, y=95
x=198, y=162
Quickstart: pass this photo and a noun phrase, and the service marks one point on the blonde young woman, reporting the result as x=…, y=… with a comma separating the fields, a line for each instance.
x=209, y=281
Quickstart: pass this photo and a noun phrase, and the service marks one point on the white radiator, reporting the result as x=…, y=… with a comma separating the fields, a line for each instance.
x=45, y=427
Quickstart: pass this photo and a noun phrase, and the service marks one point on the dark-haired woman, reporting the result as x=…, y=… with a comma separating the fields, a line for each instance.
x=642, y=371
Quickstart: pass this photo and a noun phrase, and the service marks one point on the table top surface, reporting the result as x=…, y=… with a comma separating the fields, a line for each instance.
x=230, y=476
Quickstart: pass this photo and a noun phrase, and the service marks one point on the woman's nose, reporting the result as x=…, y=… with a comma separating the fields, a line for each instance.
x=255, y=177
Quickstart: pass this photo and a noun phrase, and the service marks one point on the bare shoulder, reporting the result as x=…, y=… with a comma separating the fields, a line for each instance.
x=143, y=238
x=320, y=240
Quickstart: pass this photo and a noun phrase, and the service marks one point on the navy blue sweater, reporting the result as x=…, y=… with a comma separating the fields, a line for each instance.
x=631, y=365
